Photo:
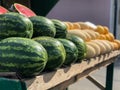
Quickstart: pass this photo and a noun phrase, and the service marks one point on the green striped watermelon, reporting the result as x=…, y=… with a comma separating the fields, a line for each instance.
x=55, y=50
x=61, y=29
x=80, y=45
x=22, y=55
x=71, y=51
x=43, y=26
x=15, y=25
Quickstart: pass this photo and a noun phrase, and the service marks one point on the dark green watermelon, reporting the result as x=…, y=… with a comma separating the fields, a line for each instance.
x=15, y=25
x=43, y=26
x=71, y=51
x=80, y=45
x=55, y=50
x=22, y=55
x=61, y=29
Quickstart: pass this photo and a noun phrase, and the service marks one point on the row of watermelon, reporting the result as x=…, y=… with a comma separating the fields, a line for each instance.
x=35, y=26
x=29, y=57
x=14, y=24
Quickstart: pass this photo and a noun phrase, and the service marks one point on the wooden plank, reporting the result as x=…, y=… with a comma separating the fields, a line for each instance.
x=48, y=80
x=82, y=75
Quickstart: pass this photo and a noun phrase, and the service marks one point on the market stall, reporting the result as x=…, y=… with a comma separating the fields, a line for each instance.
x=94, y=47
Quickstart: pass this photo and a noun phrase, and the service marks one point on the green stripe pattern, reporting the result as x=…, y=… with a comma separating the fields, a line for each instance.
x=71, y=51
x=55, y=50
x=61, y=29
x=80, y=45
x=43, y=26
x=15, y=25
x=22, y=55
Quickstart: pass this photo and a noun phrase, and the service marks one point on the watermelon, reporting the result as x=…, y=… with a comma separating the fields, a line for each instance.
x=71, y=51
x=61, y=29
x=80, y=45
x=43, y=26
x=22, y=55
x=3, y=10
x=15, y=25
x=55, y=50
x=23, y=10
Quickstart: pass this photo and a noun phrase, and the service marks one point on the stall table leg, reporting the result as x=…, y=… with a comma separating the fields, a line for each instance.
x=109, y=77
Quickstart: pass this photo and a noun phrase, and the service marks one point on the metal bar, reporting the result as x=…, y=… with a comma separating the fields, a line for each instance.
x=115, y=17
x=109, y=77
x=110, y=68
x=98, y=84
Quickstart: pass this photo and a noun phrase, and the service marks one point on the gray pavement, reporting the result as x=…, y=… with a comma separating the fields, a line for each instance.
x=100, y=75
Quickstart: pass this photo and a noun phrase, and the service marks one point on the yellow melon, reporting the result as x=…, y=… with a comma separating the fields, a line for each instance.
x=102, y=37
x=76, y=26
x=95, y=46
x=107, y=45
x=83, y=25
x=91, y=25
x=97, y=35
x=110, y=44
x=102, y=47
x=110, y=37
x=88, y=37
x=116, y=47
x=78, y=33
x=100, y=29
x=92, y=34
x=69, y=25
x=90, y=52
x=106, y=29
x=118, y=42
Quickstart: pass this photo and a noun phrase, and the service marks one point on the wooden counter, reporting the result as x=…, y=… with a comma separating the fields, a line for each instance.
x=63, y=77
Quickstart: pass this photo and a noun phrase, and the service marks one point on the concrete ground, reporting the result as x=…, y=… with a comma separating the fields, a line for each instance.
x=100, y=75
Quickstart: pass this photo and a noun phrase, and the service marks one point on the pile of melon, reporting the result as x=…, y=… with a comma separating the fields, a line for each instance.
x=30, y=44
x=98, y=38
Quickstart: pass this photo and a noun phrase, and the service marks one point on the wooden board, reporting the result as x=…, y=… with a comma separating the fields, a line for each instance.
x=55, y=79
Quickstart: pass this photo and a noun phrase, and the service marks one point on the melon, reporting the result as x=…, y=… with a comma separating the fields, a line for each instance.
x=61, y=29
x=3, y=10
x=71, y=51
x=43, y=26
x=78, y=33
x=55, y=50
x=95, y=46
x=23, y=10
x=23, y=56
x=81, y=46
x=15, y=25
x=102, y=47
x=90, y=52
